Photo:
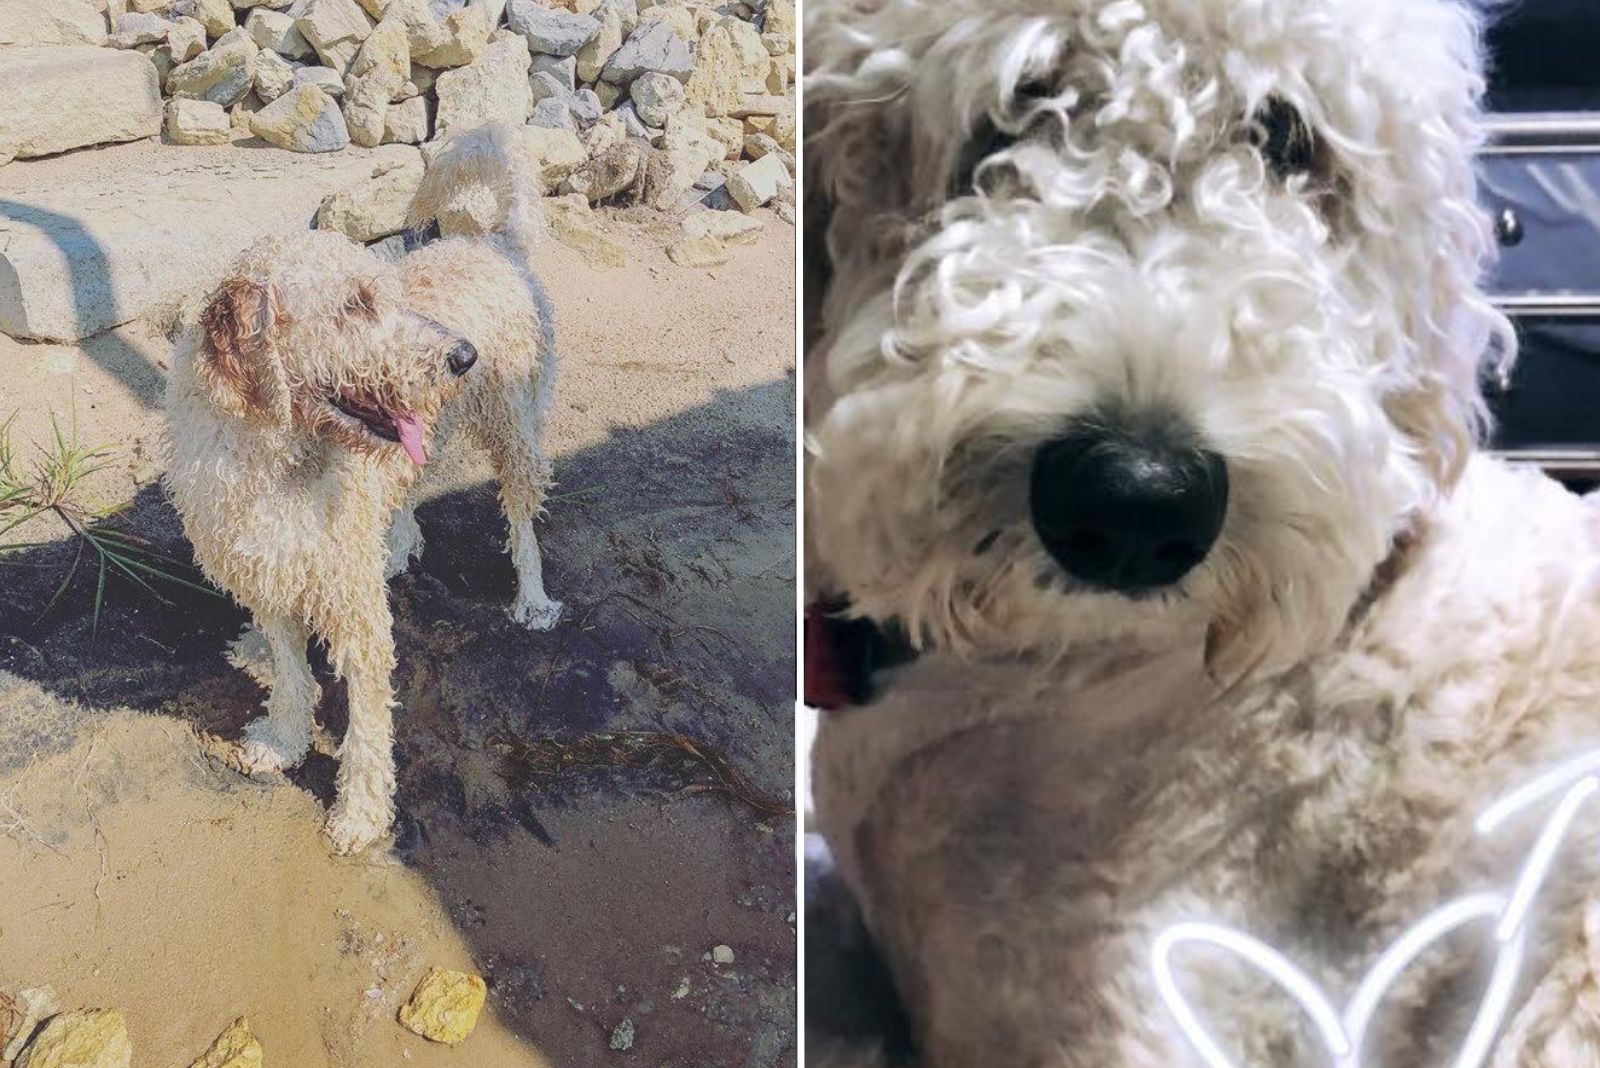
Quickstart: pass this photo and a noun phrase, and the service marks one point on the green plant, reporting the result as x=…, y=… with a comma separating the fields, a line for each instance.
x=53, y=485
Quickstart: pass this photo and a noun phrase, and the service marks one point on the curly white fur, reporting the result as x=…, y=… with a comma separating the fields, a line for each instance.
x=1322, y=334
x=298, y=507
x=1294, y=739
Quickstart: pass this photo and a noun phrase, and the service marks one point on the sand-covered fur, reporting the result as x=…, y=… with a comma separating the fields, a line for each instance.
x=301, y=408
x=1254, y=221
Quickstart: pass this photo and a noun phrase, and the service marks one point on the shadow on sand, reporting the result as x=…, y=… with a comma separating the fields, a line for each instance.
x=567, y=854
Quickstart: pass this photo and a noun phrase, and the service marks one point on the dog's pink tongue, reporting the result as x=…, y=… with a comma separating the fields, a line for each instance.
x=409, y=427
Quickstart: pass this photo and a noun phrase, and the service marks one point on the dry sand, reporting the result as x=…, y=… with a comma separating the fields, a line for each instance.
x=586, y=874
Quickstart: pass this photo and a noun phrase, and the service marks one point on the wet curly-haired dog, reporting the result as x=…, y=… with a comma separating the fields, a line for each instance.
x=301, y=409
x=1142, y=424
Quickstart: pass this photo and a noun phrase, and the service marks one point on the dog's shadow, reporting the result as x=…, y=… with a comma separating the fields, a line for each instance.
x=595, y=806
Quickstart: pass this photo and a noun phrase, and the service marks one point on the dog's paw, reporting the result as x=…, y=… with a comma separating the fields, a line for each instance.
x=352, y=829
x=265, y=752
x=537, y=615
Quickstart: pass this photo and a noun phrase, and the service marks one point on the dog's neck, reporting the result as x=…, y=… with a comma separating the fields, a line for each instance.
x=845, y=655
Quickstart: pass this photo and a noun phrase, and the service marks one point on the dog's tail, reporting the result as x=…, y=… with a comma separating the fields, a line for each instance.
x=488, y=158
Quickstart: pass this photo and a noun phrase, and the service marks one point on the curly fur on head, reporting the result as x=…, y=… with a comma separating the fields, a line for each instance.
x=1254, y=218
x=301, y=360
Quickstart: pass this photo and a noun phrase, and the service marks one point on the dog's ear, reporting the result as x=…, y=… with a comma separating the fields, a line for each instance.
x=857, y=196
x=235, y=362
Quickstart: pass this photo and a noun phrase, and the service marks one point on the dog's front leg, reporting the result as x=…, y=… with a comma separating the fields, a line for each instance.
x=279, y=740
x=361, y=643
x=405, y=540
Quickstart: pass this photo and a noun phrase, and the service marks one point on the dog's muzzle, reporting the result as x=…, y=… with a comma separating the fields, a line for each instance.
x=1127, y=510
x=461, y=358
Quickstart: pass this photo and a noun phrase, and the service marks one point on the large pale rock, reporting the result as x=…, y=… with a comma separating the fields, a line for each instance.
x=466, y=35
x=592, y=57
x=654, y=46
x=753, y=55
x=325, y=78
x=551, y=31
x=681, y=19
x=133, y=28
x=94, y=1039
x=553, y=153
x=784, y=129
x=691, y=150
x=445, y=1006
x=610, y=131
x=779, y=18
x=574, y=225
x=236, y=1047
x=305, y=119
x=552, y=113
x=222, y=75
x=424, y=31
x=494, y=86
x=276, y=31
x=197, y=122
x=756, y=184
x=376, y=77
x=727, y=226
x=108, y=236
x=406, y=122
x=215, y=15
x=335, y=28
x=274, y=76
x=66, y=96
x=185, y=40
x=703, y=251
x=51, y=22
x=716, y=83
x=657, y=97
x=563, y=69
x=546, y=86
x=377, y=207
x=730, y=134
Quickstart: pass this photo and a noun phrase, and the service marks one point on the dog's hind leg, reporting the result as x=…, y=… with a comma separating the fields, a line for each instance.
x=405, y=540
x=524, y=474
x=280, y=739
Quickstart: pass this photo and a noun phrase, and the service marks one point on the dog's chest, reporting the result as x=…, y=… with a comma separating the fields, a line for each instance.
x=1019, y=844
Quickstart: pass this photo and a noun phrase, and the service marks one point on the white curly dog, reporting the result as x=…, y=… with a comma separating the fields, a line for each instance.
x=301, y=407
x=1144, y=403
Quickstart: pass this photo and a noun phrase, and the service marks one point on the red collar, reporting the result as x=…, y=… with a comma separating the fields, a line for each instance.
x=843, y=654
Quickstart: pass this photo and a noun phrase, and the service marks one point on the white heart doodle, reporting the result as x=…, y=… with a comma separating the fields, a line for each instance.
x=1342, y=1033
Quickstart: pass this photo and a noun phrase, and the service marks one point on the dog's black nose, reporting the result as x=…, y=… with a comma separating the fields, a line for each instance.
x=461, y=358
x=1127, y=511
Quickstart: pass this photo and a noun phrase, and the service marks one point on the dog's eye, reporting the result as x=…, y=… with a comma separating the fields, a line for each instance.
x=1284, y=138
x=987, y=140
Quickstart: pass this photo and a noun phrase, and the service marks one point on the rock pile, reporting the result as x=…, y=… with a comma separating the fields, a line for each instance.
x=706, y=86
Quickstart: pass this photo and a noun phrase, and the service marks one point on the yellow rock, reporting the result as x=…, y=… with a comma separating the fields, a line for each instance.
x=578, y=230
x=706, y=251
x=234, y=1048
x=96, y=1038
x=445, y=1006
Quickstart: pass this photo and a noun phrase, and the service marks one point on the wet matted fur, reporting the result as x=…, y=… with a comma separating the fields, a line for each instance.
x=301, y=406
